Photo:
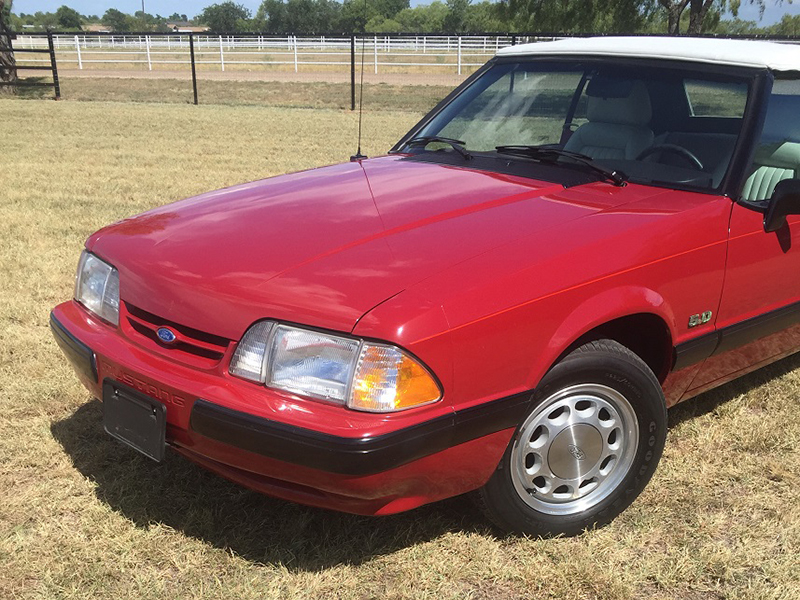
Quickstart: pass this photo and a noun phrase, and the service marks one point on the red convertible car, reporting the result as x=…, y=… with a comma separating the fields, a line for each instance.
x=583, y=234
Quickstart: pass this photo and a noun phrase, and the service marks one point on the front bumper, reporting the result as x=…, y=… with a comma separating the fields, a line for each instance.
x=293, y=448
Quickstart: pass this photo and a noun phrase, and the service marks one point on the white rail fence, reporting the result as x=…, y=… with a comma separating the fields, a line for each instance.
x=381, y=52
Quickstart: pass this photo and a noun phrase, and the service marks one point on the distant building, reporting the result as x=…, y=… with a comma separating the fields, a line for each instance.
x=96, y=28
x=186, y=27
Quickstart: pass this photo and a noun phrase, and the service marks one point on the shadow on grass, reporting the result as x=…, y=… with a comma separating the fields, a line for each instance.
x=29, y=88
x=180, y=495
x=709, y=401
x=185, y=497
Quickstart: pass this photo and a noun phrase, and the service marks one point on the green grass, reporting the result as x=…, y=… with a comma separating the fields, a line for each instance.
x=83, y=517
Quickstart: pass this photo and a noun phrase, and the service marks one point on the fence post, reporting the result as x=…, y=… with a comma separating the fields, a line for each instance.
x=375, y=50
x=147, y=46
x=221, y=55
x=352, y=72
x=459, y=55
x=295, y=54
x=78, y=50
x=194, y=71
x=514, y=40
x=56, y=86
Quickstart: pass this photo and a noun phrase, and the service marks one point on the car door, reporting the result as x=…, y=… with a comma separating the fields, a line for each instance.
x=757, y=320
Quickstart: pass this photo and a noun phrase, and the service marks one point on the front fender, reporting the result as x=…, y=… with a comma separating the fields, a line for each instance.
x=598, y=310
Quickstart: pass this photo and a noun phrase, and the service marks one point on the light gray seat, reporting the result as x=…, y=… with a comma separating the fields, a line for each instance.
x=619, y=114
x=778, y=156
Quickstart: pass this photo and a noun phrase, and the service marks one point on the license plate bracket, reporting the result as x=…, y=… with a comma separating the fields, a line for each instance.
x=135, y=419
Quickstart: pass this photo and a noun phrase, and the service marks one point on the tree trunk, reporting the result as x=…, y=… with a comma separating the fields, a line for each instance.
x=8, y=66
x=697, y=14
x=674, y=23
x=674, y=11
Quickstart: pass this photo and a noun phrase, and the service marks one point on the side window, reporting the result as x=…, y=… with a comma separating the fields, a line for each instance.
x=712, y=99
x=777, y=155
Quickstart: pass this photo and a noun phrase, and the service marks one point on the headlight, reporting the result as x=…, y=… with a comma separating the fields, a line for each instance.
x=97, y=287
x=363, y=375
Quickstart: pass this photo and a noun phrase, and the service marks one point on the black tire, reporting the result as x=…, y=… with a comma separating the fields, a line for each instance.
x=566, y=498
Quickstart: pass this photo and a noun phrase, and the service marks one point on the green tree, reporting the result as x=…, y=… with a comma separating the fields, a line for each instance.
x=380, y=24
x=484, y=17
x=146, y=22
x=789, y=25
x=424, y=18
x=703, y=14
x=456, y=15
x=45, y=20
x=299, y=16
x=576, y=16
x=117, y=20
x=353, y=16
x=389, y=8
x=68, y=18
x=224, y=17
x=271, y=16
x=738, y=26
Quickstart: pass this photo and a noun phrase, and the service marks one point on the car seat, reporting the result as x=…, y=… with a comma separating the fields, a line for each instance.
x=778, y=155
x=619, y=113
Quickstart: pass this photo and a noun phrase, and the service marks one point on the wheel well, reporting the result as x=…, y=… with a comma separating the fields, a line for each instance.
x=645, y=334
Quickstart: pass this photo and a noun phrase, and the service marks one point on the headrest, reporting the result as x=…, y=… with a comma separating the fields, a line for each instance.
x=783, y=119
x=618, y=101
x=609, y=87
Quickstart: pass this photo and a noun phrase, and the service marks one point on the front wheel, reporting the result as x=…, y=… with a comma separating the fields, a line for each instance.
x=586, y=449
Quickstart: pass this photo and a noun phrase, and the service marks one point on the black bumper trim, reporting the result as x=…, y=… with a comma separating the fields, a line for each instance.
x=79, y=354
x=355, y=456
x=695, y=351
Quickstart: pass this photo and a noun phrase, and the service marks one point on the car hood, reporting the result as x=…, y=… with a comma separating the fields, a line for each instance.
x=323, y=247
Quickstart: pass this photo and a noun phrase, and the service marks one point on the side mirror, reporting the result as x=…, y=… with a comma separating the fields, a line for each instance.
x=785, y=201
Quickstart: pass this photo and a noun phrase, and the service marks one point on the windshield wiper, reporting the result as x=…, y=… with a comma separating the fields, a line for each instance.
x=457, y=145
x=552, y=155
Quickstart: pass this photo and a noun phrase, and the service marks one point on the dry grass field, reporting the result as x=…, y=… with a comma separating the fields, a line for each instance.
x=288, y=94
x=83, y=517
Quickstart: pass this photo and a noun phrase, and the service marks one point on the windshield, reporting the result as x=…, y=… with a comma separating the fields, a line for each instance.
x=658, y=125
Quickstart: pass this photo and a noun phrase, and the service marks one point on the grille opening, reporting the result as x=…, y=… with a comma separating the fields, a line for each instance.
x=157, y=321
x=192, y=344
x=191, y=349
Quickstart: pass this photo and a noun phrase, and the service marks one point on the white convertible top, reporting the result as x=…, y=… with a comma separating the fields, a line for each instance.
x=740, y=53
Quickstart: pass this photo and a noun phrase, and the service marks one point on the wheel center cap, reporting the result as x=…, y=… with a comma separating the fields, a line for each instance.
x=575, y=451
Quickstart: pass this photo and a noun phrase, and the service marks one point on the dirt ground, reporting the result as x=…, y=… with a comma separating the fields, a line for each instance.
x=441, y=79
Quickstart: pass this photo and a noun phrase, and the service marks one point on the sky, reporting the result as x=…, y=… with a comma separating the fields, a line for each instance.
x=773, y=13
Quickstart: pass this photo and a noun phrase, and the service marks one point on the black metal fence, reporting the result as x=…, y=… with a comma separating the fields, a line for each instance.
x=404, y=59
x=12, y=79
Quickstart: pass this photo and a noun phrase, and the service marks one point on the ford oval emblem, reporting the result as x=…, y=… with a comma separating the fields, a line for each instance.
x=576, y=452
x=166, y=335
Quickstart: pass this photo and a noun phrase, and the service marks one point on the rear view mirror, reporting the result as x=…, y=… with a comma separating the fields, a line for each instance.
x=785, y=201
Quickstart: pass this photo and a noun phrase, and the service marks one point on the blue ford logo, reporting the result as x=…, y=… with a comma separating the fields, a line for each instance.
x=166, y=335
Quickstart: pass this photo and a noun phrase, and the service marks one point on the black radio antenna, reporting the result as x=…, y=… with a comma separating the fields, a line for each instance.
x=358, y=155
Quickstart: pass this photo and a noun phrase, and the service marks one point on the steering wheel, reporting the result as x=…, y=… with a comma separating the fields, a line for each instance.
x=680, y=151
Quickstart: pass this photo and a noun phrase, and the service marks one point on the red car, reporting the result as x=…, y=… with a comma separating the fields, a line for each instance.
x=583, y=234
